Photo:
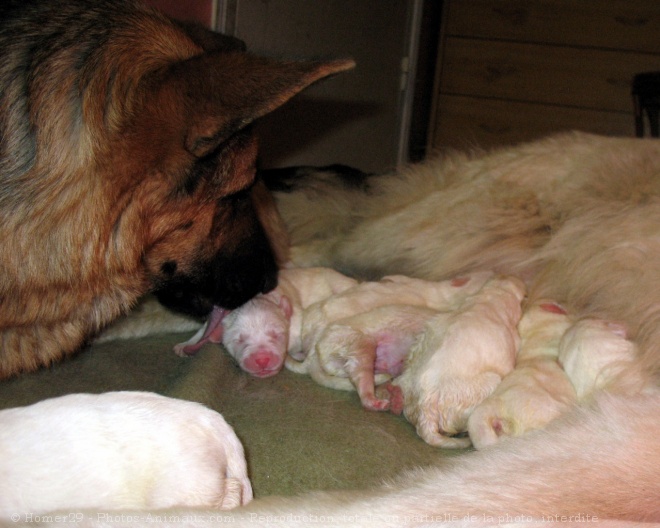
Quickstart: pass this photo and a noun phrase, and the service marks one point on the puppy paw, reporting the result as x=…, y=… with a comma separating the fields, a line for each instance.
x=395, y=397
x=375, y=404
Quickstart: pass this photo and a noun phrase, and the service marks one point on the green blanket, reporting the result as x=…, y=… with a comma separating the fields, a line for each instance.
x=297, y=435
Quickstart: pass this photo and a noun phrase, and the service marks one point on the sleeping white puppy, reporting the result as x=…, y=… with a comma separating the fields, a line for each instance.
x=458, y=361
x=118, y=450
x=537, y=391
x=260, y=333
x=393, y=289
x=597, y=354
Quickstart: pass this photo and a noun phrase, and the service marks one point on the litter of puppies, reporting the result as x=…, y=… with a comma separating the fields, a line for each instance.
x=455, y=356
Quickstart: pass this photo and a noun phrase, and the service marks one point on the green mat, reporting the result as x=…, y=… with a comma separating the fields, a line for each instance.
x=298, y=435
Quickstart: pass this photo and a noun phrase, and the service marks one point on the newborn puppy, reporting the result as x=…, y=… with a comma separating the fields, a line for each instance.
x=596, y=354
x=260, y=333
x=541, y=328
x=537, y=391
x=458, y=361
x=368, y=348
x=134, y=450
x=391, y=290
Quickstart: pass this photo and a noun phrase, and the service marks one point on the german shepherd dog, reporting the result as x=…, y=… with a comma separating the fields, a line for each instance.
x=127, y=164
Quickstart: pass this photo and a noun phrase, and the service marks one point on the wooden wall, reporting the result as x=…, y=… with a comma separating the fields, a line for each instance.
x=200, y=11
x=512, y=70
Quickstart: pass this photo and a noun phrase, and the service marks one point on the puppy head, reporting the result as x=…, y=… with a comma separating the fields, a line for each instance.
x=256, y=335
x=184, y=139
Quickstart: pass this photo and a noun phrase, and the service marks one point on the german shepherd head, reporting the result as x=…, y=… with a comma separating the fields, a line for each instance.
x=127, y=164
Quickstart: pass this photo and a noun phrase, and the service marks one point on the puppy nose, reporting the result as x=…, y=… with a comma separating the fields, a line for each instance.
x=262, y=361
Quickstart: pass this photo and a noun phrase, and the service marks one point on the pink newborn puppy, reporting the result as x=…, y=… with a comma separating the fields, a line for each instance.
x=537, y=391
x=131, y=450
x=458, y=361
x=259, y=334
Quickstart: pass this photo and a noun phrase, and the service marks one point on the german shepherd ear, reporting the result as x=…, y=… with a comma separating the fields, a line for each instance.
x=220, y=93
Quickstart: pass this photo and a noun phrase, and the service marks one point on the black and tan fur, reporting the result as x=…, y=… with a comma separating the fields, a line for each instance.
x=126, y=165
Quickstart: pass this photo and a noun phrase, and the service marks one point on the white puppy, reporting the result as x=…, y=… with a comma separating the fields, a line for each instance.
x=118, y=450
x=459, y=360
x=368, y=348
x=537, y=391
x=596, y=354
x=259, y=334
x=391, y=290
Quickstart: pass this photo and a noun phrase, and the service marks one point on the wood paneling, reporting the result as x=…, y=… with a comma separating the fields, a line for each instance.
x=592, y=78
x=466, y=122
x=616, y=24
x=191, y=10
x=512, y=70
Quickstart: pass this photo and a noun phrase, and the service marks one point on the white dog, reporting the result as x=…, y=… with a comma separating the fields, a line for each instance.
x=459, y=360
x=260, y=333
x=537, y=391
x=118, y=450
x=596, y=354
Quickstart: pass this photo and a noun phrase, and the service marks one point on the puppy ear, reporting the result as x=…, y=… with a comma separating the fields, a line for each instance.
x=218, y=93
x=286, y=306
x=617, y=329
